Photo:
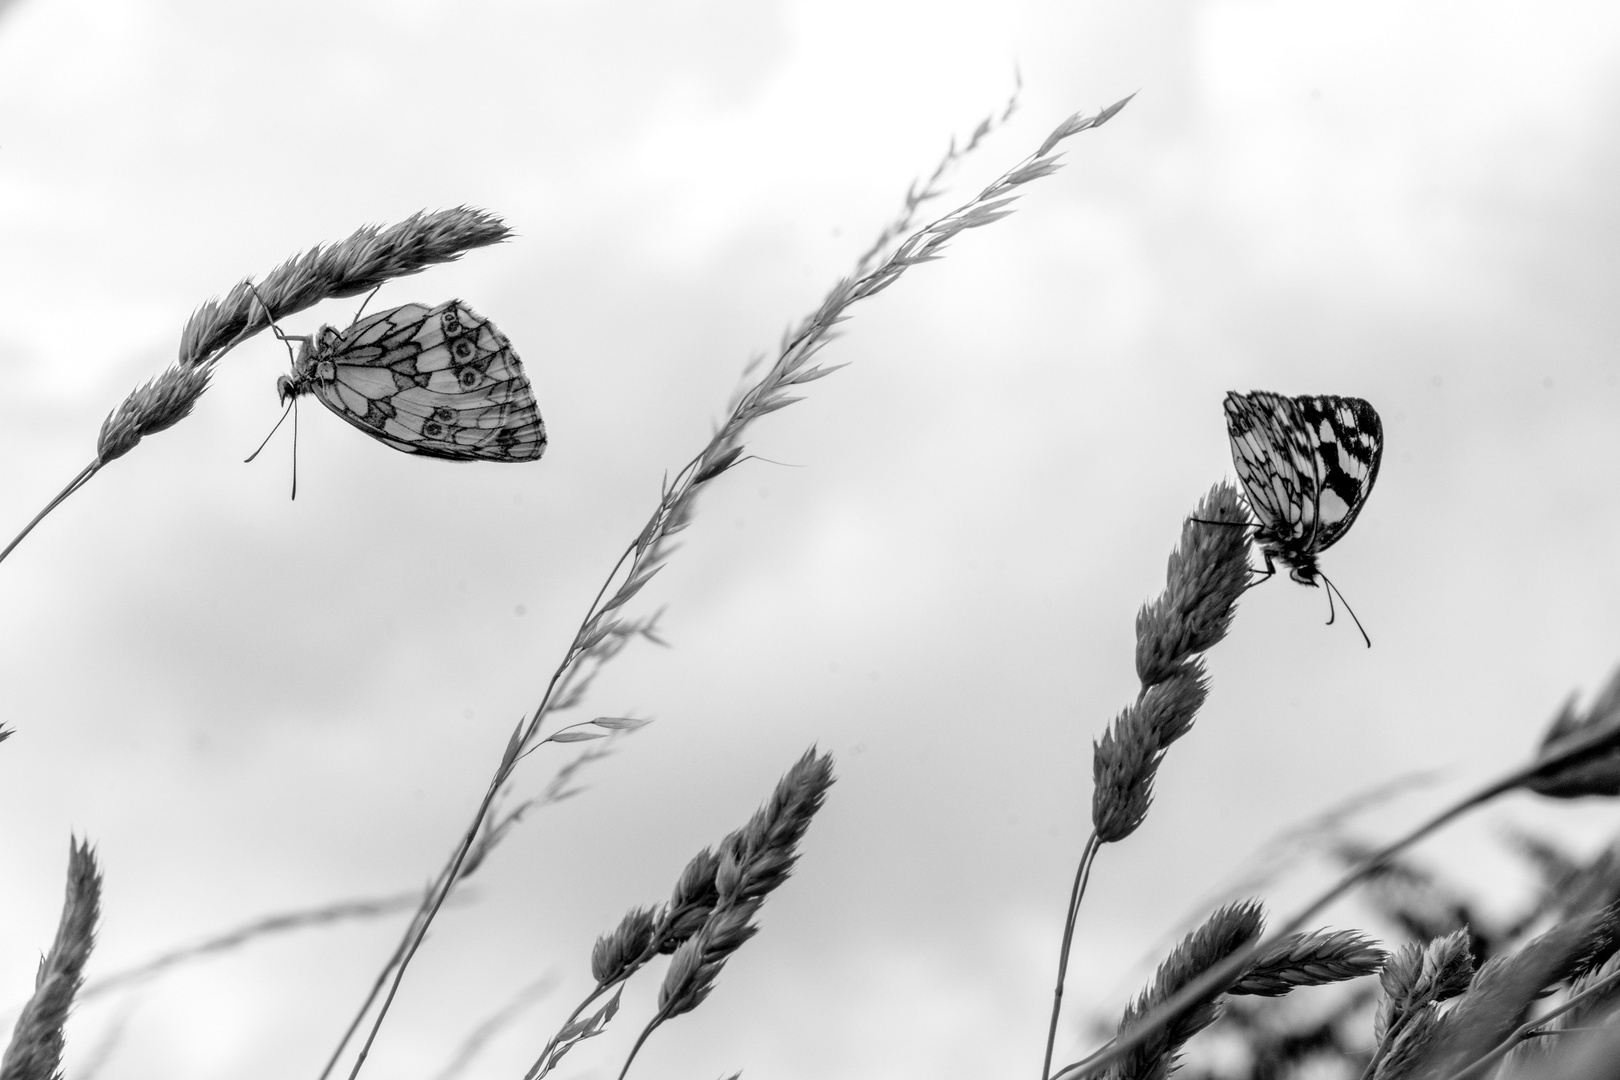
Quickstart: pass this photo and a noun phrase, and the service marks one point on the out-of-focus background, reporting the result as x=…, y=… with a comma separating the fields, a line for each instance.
x=254, y=706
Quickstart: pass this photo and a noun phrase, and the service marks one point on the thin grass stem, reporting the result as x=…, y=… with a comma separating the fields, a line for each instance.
x=73, y=485
x=1081, y=877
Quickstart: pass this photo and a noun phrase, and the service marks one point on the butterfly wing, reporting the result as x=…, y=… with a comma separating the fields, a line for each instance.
x=438, y=381
x=1276, y=465
x=1348, y=439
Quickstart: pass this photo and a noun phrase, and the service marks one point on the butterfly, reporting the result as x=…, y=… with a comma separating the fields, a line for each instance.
x=1307, y=465
x=440, y=381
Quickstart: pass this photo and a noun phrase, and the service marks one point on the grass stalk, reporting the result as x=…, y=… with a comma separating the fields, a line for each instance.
x=601, y=634
x=1076, y=894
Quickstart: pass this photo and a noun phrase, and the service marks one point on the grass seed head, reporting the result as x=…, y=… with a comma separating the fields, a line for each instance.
x=1418, y=976
x=694, y=898
x=697, y=964
x=766, y=848
x=1123, y=764
x=1595, y=772
x=617, y=954
x=365, y=259
x=1229, y=929
x=37, y=1041
x=1126, y=759
x=160, y=403
x=1311, y=960
x=1207, y=572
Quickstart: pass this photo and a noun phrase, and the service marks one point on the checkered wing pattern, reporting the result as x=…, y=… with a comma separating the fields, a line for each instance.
x=1307, y=465
x=438, y=381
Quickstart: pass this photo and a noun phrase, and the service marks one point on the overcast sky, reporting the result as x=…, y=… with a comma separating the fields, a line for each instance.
x=253, y=706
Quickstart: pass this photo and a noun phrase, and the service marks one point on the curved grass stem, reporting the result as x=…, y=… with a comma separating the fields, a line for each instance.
x=74, y=485
x=1081, y=876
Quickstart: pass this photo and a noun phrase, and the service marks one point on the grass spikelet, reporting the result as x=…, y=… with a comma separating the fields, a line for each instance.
x=697, y=963
x=35, y=1052
x=617, y=954
x=1226, y=931
x=1126, y=759
x=696, y=894
x=1418, y=976
x=765, y=850
x=1310, y=960
x=160, y=403
x=1207, y=572
x=576, y=1031
x=1596, y=772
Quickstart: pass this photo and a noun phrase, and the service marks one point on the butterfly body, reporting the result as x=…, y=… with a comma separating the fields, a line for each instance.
x=1307, y=465
x=439, y=381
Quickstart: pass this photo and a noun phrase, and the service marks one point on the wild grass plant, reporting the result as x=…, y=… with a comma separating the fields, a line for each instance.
x=1452, y=1002
x=1489, y=996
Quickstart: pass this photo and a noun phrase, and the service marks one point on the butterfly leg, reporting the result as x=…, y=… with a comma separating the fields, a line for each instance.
x=363, y=304
x=269, y=317
x=1262, y=575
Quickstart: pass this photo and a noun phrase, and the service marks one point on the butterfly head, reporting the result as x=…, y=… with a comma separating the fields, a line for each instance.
x=312, y=364
x=1304, y=574
x=1301, y=566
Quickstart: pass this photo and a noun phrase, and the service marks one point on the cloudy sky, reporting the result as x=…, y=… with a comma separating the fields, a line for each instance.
x=255, y=706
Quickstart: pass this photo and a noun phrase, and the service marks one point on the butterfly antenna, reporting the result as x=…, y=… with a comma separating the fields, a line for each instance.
x=1331, y=589
x=273, y=430
x=295, y=447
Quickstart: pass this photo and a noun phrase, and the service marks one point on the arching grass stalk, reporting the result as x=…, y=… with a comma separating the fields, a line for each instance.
x=603, y=632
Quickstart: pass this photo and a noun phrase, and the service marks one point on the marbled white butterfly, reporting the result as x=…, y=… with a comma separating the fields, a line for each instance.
x=1307, y=465
x=435, y=381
